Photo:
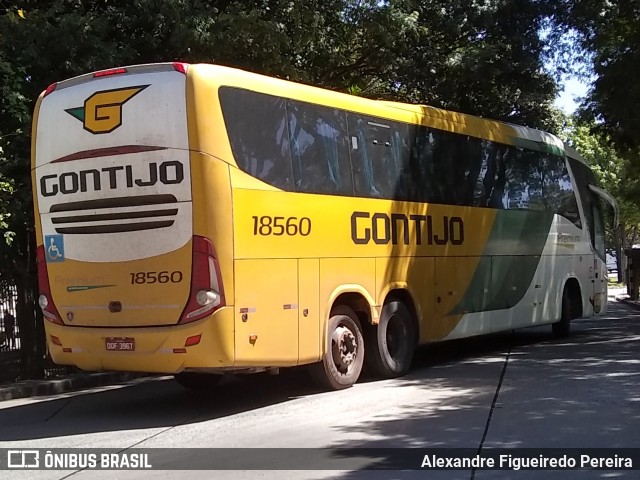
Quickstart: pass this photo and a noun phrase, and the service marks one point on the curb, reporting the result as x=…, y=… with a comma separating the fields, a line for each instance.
x=627, y=301
x=34, y=388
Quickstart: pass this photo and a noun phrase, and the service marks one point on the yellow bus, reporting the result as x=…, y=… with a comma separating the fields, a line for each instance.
x=198, y=220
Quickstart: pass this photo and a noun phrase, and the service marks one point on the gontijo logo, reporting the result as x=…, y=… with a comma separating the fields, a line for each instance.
x=102, y=111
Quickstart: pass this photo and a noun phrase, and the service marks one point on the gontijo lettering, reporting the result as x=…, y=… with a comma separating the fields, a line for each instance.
x=382, y=228
x=119, y=176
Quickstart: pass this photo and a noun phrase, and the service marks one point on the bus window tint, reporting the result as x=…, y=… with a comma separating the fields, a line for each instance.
x=297, y=146
x=558, y=190
x=257, y=129
x=377, y=163
x=524, y=181
x=401, y=158
x=492, y=176
x=421, y=165
x=319, y=149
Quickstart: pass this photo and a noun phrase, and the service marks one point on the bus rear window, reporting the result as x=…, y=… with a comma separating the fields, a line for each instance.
x=291, y=145
x=257, y=129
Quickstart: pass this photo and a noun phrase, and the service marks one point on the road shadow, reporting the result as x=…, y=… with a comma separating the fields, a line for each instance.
x=580, y=392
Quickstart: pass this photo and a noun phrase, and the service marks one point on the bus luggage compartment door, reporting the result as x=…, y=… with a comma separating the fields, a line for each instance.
x=266, y=320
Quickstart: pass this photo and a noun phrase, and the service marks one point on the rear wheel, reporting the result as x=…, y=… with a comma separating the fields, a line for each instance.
x=198, y=381
x=562, y=328
x=392, y=343
x=341, y=364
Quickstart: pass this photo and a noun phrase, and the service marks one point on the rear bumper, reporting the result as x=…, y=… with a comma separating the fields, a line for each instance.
x=157, y=349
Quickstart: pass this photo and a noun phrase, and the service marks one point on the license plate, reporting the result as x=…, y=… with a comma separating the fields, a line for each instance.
x=120, y=344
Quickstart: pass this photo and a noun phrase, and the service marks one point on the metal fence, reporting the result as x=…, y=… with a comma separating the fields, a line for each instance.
x=14, y=354
x=9, y=330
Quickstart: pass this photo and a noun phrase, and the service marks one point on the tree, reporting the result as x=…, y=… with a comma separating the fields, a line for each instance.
x=608, y=31
x=483, y=58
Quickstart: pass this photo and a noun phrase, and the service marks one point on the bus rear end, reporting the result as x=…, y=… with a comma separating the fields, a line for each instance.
x=127, y=281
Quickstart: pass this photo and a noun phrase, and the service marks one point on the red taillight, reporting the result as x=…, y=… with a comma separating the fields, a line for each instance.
x=111, y=71
x=206, y=294
x=50, y=89
x=45, y=300
x=180, y=67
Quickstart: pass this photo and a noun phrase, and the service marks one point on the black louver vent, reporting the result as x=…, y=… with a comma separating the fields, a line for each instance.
x=141, y=219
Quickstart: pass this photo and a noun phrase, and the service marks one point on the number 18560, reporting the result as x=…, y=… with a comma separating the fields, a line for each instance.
x=278, y=226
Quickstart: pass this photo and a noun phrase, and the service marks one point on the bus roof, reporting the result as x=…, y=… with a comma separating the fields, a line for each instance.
x=472, y=125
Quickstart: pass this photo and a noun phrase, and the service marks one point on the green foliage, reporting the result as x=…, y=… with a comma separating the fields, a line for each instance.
x=609, y=31
x=482, y=58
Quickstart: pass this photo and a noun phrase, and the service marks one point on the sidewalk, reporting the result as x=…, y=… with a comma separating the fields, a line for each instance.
x=78, y=381
x=619, y=294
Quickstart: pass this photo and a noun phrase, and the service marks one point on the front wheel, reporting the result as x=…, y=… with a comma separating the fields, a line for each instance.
x=392, y=343
x=342, y=362
x=562, y=328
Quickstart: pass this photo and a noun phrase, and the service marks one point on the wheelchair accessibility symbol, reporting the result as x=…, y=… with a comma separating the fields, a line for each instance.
x=54, y=247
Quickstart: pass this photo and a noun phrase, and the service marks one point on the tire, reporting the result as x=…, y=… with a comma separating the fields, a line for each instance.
x=562, y=328
x=392, y=343
x=201, y=382
x=342, y=363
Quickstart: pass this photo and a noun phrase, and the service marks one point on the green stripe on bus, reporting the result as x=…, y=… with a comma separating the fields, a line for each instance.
x=500, y=281
x=539, y=146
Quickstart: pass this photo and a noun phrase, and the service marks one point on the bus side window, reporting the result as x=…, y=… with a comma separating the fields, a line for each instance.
x=319, y=149
x=401, y=157
x=492, y=178
x=453, y=165
x=559, y=190
x=377, y=163
x=468, y=170
x=257, y=130
x=423, y=165
x=529, y=176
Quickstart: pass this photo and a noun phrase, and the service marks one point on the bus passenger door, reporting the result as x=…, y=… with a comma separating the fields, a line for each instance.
x=266, y=316
x=599, y=259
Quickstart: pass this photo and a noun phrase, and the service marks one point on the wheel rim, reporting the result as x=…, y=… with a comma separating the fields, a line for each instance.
x=344, y=349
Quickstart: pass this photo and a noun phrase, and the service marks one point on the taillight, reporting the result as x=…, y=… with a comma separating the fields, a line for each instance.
x=111, y=71
x=180, y=67
x=45, y=300
x=206, y=283
x=50, y=89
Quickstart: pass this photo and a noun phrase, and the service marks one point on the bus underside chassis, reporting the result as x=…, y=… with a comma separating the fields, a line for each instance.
x=385, y=349
x=198, y=381
x=570, y=309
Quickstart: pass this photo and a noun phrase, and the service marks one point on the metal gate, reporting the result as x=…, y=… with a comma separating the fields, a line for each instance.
x=15, y=354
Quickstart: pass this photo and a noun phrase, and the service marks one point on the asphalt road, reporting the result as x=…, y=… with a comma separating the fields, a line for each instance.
x=519, y=389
